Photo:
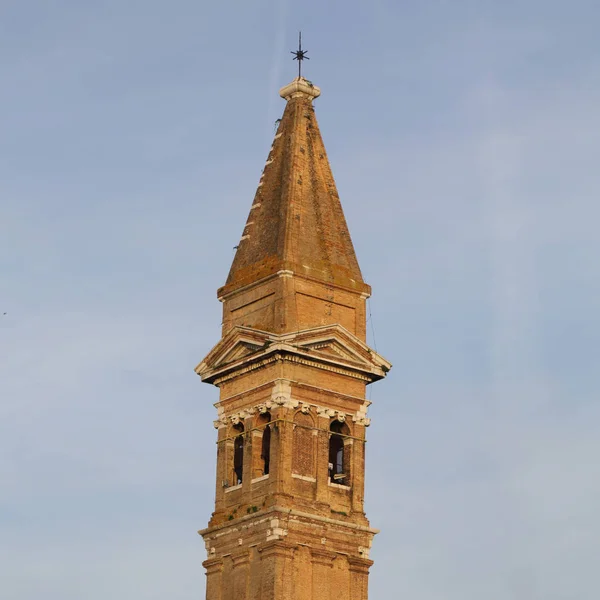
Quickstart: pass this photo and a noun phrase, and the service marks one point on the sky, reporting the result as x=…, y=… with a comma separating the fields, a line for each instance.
x=464, y=140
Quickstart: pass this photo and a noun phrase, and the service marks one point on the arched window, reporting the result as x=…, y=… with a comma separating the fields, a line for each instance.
x=265, y=447
x=339, y=459
x=238, y=454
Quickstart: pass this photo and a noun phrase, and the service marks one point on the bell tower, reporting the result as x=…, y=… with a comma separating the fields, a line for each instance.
x=292, y=368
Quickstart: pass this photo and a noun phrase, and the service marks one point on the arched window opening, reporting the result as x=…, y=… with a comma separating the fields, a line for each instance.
x=265, y=451
x=338, y=459
x=238, y=454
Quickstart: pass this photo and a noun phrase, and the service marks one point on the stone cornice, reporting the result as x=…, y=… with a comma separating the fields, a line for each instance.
x=304, y=347
x=281, y=395
x=288, y=512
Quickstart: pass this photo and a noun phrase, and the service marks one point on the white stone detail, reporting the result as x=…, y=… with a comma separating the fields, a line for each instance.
x=299, y=88
x=281, y=394
x=285, y=273
x=276, y=532
x=323, y=411
x=304, y=477
x=261, y=478
x=361, y=415
x=233, y=487
x=338, y=485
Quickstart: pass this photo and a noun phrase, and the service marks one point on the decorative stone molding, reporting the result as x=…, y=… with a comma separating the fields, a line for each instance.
x=300, y=88
x=276, y=532
x=240, y=558
x=321, y=556
x=361, y=415
x=359, y=565
x=213, y=565
x=323, y=411
x=282, y=394
x=329, y=347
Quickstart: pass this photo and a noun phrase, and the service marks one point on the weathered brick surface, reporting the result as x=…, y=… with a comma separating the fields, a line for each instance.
x=292, y=533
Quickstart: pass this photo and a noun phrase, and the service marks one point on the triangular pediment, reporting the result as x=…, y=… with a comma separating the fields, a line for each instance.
x=239, y=344
x=240, y=350
x=336, y=343
x=330, y=346
x=334, y=350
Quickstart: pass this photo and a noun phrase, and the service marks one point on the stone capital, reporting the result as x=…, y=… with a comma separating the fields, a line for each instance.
x=322, y=557
x=213, y=565
x=241, y=558
x=359, y=565
x=277, y=549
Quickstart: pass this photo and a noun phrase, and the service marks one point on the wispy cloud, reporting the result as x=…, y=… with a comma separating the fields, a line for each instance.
x=467, y=167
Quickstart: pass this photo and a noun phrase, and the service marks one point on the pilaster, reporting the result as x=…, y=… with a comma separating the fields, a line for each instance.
x=214, y=578
x=322, y=562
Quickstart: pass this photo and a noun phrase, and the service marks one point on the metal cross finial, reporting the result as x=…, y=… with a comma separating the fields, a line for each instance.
x=300, y=54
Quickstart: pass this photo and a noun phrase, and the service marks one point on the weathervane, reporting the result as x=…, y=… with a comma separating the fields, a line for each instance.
x=300, y=54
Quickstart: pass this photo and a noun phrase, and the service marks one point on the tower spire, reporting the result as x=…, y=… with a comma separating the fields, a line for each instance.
x=296, y=223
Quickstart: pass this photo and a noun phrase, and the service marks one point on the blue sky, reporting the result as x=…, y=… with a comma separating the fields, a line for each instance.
x=464, y=140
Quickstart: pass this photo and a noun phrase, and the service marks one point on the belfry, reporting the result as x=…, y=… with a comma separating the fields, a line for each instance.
x=292, y=368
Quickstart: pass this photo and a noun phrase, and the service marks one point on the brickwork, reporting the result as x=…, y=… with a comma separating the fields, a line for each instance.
x=292, y=369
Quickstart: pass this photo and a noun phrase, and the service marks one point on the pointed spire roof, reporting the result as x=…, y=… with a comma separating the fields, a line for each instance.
x=296, y=222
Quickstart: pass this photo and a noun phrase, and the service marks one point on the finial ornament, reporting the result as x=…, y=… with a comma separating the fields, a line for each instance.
x=300, y=87
x=300, y=54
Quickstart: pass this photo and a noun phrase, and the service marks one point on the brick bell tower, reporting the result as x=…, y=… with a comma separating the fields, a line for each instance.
x=292, y=368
